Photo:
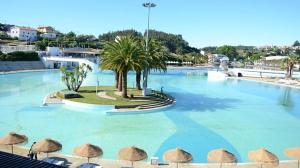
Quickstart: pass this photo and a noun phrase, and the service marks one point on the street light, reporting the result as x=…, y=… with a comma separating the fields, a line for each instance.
x=148, y=5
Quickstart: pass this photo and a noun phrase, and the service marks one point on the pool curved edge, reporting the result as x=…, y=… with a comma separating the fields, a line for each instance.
x=87, y=106
x=265, y=82
x=109, y=109
x=139, y=111
x=26, y=71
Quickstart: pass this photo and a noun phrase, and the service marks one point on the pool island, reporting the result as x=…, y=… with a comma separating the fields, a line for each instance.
x=92, y=96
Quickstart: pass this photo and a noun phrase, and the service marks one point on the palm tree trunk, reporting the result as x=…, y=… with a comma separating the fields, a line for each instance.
x=120, y=82
x=138, y=80
x=124, y=85
x=117, y=79
x=291, y=71
x=287, y=71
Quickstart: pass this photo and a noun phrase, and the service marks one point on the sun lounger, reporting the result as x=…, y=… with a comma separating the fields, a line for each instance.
x=90, y=165
x=54, y=161
x=154, y=160
x=281, y=81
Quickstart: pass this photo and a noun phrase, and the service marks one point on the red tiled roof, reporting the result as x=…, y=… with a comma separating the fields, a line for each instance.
x=25, y=28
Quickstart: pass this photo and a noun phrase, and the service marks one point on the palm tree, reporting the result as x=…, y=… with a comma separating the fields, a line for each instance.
x=74, y=78
x=123, y=55
x=155, y=58
x=289, y=64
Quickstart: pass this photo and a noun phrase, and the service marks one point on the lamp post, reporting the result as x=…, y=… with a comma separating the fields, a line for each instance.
x=97, y=85
x=148, y=5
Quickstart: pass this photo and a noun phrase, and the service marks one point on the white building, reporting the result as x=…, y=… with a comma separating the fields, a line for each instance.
x=45, y=29
x=53, y=51
x=48, y=35
x=216, y=58
x=54, y=57
x=23, y=33
x=9, y=49
x=47, y=32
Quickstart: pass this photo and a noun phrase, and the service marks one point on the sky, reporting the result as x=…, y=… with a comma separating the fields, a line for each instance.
x=200, y=22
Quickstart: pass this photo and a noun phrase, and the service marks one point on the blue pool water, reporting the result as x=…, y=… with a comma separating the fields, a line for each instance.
x=237, y=115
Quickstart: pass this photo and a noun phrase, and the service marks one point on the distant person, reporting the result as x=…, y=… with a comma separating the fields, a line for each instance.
x=31, y=153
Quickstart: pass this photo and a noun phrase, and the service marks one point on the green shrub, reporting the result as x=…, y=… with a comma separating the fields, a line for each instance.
x=68, y=94
x=20, y=56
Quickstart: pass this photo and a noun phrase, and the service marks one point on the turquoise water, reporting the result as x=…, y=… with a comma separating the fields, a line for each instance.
x=237, y=115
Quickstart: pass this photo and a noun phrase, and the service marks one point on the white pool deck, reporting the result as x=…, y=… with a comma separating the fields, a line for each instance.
x=75, y=161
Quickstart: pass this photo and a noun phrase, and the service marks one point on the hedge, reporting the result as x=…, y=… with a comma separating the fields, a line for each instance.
x=20, y=56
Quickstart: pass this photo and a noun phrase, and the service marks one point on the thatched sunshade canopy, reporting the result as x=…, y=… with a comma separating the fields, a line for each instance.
x=47, y=146
x=221, y=156
x=13, y=138
x=88, y=151
x=263, y=157
x=132, y=154
x=177, y=155
x=293, y=153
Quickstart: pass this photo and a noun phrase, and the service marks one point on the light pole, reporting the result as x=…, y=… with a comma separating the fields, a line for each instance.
x=97, y=85
x=148, y=5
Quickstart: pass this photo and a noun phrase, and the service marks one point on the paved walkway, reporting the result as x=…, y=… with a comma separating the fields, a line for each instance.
x=75, y=161
x=103, y=95
x=52, y=99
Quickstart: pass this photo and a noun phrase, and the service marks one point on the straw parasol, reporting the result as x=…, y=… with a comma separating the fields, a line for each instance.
x=177, y=155
x=88, y=151
x=221, y=156
x=293, y=153
x=47, y=146
x=263, y=156
x=132, y=154
x=13, y=138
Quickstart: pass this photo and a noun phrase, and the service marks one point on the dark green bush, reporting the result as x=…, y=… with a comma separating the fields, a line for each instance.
x=68, y=94
x=20, y=56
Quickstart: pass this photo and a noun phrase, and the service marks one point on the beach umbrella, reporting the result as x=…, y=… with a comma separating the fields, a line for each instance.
x=293, y=153
x=177, y=156
x=221, y=156
x=11, y=139
x=263, y=157
x=132, y=154
x=88, y=151
x=47, y=146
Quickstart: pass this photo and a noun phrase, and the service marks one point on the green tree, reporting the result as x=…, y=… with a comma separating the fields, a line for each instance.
x=41, y=45
x=289, y=64
x=155, y=59
x=74, y=78
x=229, y=51
x=255, y=57
x=111, y=36
x=4, y=36
x=122, y=55
x=297, y=52
x=296, y=43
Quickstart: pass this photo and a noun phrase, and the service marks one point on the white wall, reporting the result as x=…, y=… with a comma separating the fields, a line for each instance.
x=48, y=35
x=23, y=34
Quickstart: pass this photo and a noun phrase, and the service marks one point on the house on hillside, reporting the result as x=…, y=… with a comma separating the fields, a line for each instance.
x=45, y=29
x=270, y=62
x=47, y=32
x=216, y=58
x=55, y=57
x=23, y=33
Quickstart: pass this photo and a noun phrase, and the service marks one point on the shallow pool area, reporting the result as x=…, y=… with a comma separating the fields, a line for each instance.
x=233, y=114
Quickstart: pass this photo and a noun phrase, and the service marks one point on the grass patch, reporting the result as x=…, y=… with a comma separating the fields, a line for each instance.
x=88, y=95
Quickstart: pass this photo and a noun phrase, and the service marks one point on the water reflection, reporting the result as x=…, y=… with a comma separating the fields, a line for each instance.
x=286, y=99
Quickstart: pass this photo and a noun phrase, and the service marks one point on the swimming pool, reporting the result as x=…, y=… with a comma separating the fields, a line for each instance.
x=237, y=115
